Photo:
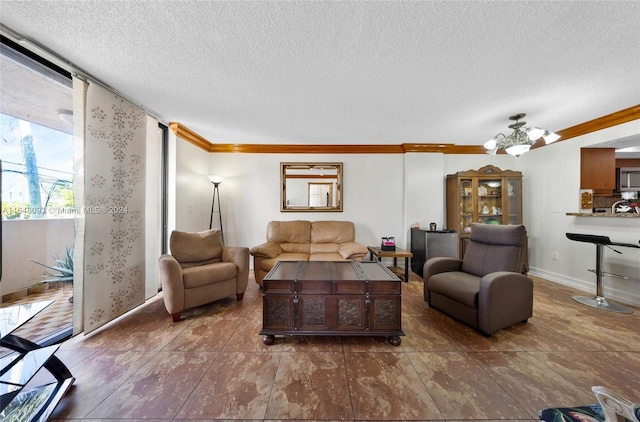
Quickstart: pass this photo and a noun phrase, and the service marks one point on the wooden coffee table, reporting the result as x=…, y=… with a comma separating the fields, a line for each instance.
x=398, y=253
x=343, y=298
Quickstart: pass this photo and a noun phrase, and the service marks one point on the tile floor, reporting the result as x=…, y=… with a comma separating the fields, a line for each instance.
x=213, y=365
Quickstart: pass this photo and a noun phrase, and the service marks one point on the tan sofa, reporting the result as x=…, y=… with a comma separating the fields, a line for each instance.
x=201, y=270
x=306, y=241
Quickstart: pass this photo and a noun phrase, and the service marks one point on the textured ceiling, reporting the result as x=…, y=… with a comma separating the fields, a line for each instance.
x=350, y=72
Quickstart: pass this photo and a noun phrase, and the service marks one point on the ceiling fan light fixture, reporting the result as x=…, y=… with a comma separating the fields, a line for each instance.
x=520, y=140
x=518, y=150
x=535, y=133
x=491, y=143
x=550, y=137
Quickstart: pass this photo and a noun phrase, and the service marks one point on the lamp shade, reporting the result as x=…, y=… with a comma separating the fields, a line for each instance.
x=518, y=150
x=215, y=179
x=550, y=137
x=534, y=133
x=491, y=143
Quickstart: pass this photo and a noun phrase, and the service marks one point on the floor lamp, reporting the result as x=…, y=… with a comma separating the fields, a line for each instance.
x=216, y=180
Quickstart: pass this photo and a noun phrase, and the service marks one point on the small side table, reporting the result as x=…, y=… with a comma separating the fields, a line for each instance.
x=398, y=253
x=598, y=301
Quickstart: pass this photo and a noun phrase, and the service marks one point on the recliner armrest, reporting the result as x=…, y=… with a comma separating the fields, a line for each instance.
x=437, y=265
x=503, y=296
x=268, y=249
x=504, y=280
x=239, y=255
x=440, y=264
x=172, y=283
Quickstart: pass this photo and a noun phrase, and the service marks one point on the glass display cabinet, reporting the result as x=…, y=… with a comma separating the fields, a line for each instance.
x=488, y=195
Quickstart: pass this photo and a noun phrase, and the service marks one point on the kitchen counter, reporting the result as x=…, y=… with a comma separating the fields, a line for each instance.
x=604, y=214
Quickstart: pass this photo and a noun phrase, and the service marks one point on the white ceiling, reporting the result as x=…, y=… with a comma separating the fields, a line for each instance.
x=350, y=72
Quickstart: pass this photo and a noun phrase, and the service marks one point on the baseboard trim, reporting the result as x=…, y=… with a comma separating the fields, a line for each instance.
x=589, y=287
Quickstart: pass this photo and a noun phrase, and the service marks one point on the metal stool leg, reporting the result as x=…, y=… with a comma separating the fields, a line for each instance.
x=599, y=301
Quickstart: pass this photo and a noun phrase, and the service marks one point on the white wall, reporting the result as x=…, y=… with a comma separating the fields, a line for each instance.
x=250, y=195
x=25, y=240
x=385, y=194
x=193, y=190
x=552, y=178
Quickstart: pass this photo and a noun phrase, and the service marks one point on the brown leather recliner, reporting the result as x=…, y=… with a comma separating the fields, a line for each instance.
x=201, y=270
x=485, y=289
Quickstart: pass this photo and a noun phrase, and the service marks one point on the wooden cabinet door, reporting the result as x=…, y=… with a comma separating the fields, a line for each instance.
x=512, y=209
x=598, y=169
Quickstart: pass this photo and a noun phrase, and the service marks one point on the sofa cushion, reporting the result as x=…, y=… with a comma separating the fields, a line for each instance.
x=204, y=275
x=300, y=248
x=187, y=247
x=268, y=264
x=324, y=248
x=297, y=231
x=459, y=286
x=326, y=256
x=332, y=232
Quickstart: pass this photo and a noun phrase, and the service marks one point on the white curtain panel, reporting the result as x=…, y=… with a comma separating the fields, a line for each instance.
x=79, y=106
x=114, y=195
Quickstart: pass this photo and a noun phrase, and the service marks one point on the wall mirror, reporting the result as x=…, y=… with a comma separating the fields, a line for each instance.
x=313, y=187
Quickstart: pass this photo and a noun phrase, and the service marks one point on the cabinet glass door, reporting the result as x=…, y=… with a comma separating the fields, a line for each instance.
x=514, y=201
x=490, y=201
x=466, y=204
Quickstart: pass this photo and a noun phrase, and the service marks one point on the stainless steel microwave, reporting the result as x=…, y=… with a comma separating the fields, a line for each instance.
x=629, y=179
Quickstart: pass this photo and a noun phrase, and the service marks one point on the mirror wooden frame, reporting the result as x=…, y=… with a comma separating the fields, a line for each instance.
x=309, y=173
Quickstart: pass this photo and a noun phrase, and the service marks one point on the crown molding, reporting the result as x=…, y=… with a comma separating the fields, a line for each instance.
x=444, y=148
x=613, y=119
x=188, y=135
x=307, y=149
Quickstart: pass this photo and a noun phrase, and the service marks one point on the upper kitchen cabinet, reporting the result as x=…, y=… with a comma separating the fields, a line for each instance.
x=598, y=170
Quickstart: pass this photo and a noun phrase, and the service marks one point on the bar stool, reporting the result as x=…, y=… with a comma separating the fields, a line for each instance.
x=599, y=301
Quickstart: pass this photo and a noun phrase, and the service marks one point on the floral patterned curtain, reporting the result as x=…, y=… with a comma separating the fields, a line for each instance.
x=114, y=207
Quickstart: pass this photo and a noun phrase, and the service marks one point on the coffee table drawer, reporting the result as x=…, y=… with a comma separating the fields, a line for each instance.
x=345, y=287
x=277, y=287
x=385, y=287
x=312, y=287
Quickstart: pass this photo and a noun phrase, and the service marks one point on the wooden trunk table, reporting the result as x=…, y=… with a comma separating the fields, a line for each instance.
x=332, y=299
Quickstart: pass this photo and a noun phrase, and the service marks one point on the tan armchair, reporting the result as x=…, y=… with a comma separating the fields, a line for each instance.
x=201, y=270
x=485, y=289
